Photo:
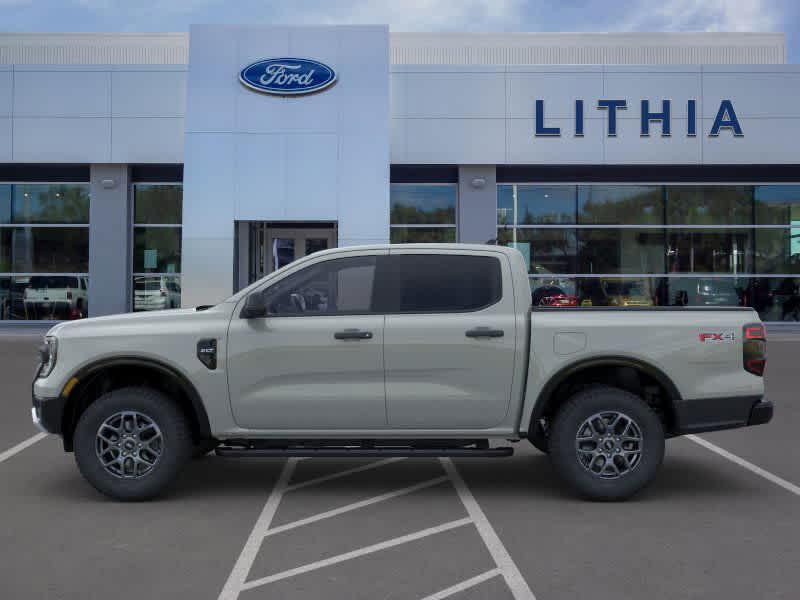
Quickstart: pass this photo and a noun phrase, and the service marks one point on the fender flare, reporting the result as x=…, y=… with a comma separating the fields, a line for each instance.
x=87, y=372
x=545, y=397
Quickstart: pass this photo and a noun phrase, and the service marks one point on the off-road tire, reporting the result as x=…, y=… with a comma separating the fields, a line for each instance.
x=563, y=443
x=176, y=448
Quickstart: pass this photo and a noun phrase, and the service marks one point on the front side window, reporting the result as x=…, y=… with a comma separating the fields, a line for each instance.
x=339, y=286
x=440, y=283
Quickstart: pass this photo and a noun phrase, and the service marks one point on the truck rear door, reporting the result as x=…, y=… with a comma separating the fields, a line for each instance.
x=449, y=338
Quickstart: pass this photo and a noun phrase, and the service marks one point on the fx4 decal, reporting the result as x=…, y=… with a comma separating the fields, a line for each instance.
x=717, y=337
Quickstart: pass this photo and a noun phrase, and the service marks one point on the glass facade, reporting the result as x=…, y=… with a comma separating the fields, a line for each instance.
x=645, y=245
x=44, y=251
x=423, y=212
x=157, y=216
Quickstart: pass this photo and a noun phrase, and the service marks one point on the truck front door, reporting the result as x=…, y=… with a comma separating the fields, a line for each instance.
x=315, y=361
x=449, y=339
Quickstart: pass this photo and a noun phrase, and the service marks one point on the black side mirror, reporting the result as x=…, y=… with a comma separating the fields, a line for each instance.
x=255, y=307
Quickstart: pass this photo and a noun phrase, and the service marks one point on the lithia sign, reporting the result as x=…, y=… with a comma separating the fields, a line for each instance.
x=726, y=119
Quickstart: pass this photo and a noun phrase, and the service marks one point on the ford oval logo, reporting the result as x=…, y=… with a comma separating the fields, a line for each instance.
x=287, y=76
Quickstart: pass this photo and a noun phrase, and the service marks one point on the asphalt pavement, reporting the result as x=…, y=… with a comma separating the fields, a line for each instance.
x=722, y=521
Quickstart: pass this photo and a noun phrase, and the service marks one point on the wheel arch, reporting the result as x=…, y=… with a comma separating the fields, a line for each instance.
x=106, y=374
x=615, y=370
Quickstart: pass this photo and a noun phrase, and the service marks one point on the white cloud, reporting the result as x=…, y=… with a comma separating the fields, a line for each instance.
x=704, y=15
x=415, y=15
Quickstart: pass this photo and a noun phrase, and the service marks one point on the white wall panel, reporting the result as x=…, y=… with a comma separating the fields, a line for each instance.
x=209, y=177
x=62, y=93
x=397, y=141
x=6, y=87
x=5, y=139
x=210, y=89
x=79, y=140
x=363, y=217
x=678, y=87
x=765, y=141
x=558, y=90
x=455, y=141
x=148, y=93
x=254, y=197
x=455, y=95
x=311, y=177
x=523, y=147
x=357, y=87
x=147, y=140
x=753, y=94
x=629, y=148
x=207, y=267
x=316, y=113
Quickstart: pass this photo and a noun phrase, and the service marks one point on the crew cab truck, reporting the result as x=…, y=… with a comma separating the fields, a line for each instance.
x=412, y=350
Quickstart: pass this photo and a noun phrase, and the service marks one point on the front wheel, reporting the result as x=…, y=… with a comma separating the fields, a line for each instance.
x=131, y=443
x=606, y=443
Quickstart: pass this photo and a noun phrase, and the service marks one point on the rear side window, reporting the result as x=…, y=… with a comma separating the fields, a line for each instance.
x=438, y=283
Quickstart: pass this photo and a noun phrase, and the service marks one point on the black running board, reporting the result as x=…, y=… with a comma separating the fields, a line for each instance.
x=354, y=452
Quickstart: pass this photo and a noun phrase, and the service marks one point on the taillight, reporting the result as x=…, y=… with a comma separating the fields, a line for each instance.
x=754, y=348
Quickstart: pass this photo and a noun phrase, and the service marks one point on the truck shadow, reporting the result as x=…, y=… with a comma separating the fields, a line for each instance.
x=529, y=478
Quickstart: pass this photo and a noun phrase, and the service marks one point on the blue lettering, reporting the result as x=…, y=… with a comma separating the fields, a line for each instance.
x=541, y=130
x=612, y=106
x=691, y=118
x=726, y=119
x=578, y=118
x=663, y=116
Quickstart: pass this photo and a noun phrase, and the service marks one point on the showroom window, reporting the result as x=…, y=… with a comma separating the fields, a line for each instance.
x=644, y=245
x=157, y=216
x=423, y=212
x=44, y=251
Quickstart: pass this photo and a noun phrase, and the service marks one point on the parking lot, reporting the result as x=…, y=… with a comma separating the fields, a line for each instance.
x=721, y=521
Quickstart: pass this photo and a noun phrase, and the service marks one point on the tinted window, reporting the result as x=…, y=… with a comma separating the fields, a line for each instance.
x=440, y=283
x=340, y=286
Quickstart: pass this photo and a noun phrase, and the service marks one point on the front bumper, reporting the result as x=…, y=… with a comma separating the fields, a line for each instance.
x=713, y=414
x=47, y=413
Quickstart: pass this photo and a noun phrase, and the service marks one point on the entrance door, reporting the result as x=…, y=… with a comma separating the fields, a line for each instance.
x=273, y=245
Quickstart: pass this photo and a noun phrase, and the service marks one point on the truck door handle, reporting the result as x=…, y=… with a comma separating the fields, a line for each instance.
x=484, y=332
x=353, y=334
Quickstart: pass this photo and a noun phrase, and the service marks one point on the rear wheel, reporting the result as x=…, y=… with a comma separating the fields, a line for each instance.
x=606, y=443
x=131, y=443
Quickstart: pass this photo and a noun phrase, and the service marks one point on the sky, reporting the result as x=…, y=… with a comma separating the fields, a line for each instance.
x=414, y=15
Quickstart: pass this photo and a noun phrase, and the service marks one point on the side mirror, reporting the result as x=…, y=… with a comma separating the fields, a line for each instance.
x=255, y=307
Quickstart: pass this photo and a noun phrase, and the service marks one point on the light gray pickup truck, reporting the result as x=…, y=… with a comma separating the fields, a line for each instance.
x=412, y=350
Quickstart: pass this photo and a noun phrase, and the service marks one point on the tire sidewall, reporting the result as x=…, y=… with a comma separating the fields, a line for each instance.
x=174, y=430
x=580, y=407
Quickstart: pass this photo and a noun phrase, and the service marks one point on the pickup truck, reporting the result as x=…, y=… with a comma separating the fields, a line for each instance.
x=397, y=350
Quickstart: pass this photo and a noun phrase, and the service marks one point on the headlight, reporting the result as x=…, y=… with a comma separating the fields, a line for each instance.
x=48, y=354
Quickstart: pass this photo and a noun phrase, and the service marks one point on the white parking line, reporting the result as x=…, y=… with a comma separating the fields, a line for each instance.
x=505, y=566
x=464, y=585
x=417, y=535
x=21, y=446
x=339, y=474
x=516, y=582
x=789, y=487
x=241, y=569
x=356, y=505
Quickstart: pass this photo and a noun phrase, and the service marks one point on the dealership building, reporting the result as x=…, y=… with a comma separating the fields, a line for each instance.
x=147, y=171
